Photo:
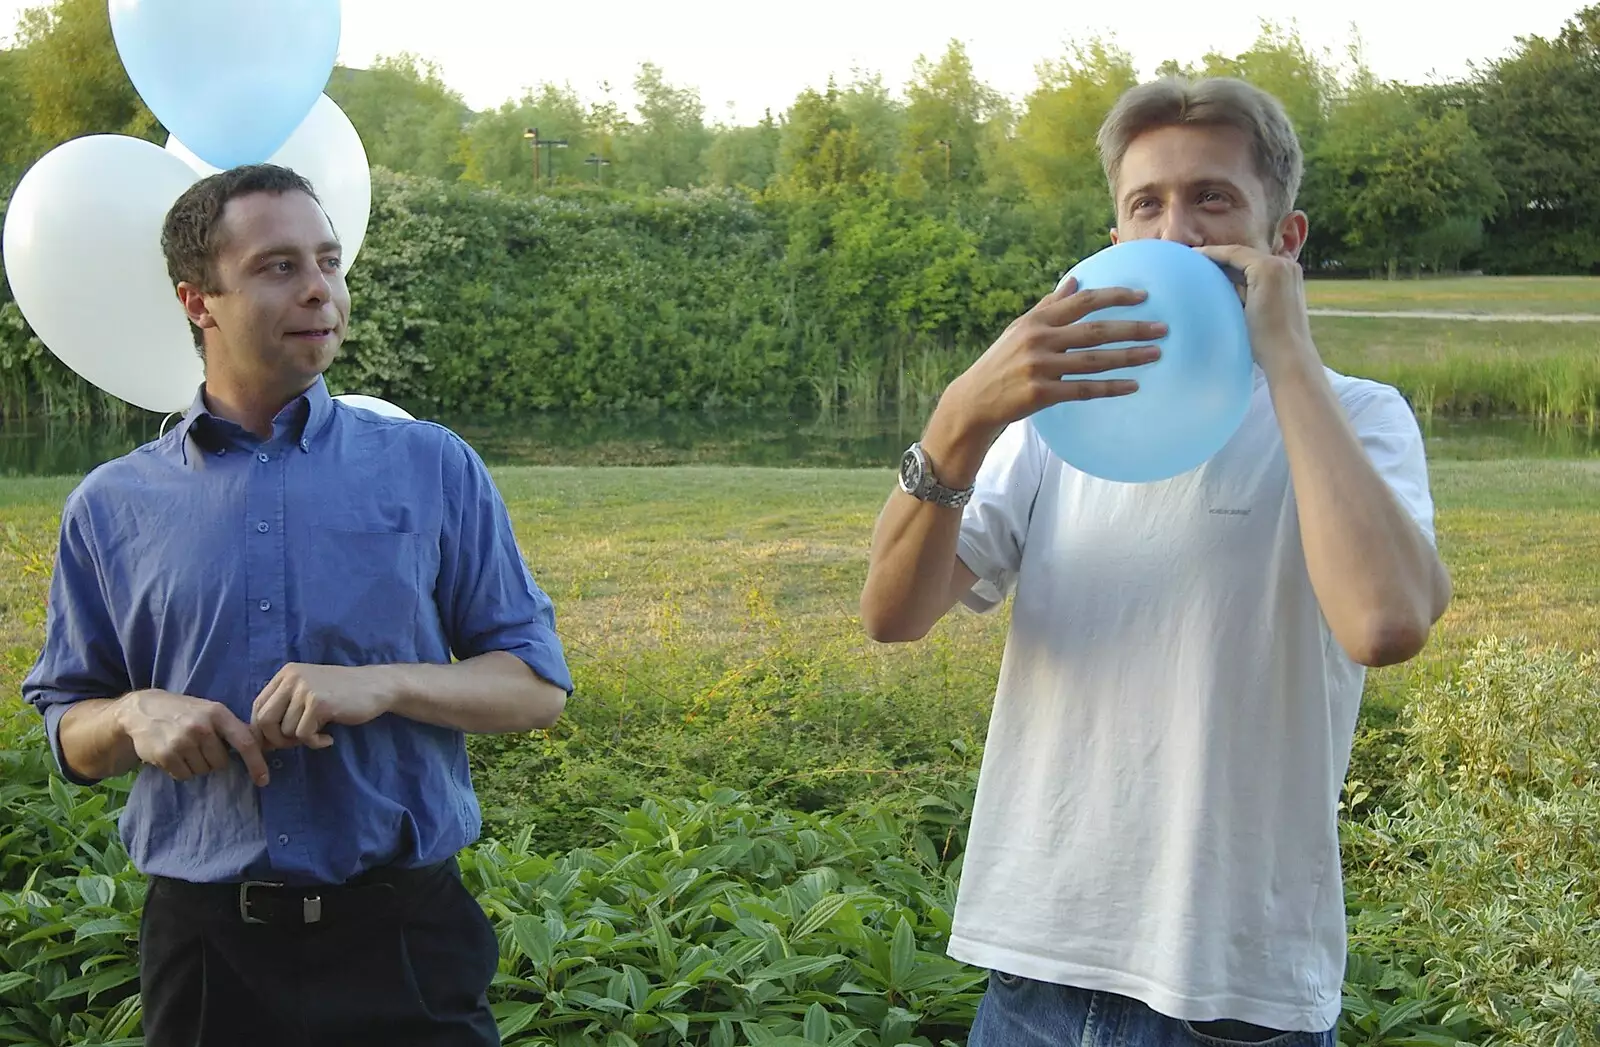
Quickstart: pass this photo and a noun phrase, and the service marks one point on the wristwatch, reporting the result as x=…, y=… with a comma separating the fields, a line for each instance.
x=917, y=480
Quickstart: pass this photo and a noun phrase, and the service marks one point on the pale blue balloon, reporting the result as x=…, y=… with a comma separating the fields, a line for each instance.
x=1191, y=401
x=231, y=79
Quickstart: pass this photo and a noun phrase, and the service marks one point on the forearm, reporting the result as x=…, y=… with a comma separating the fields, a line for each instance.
x=492, y=693
x=1377, y=579
x=94, y=743
x=914, y=576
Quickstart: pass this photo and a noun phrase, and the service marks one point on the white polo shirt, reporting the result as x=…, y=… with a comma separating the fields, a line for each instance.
x=1156, y=813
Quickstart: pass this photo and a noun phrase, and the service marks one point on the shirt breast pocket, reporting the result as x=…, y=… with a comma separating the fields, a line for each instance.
x=362, y=597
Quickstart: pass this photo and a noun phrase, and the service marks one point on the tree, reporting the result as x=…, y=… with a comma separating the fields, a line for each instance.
x=947, y=117
x=408, y=119
x=666, y=146
x=500, y=155
x=71, y=78
x=878, y=119
x=1054, y=151
x=744, y=157
x=1280, y=63
x=1536, y=114
x=1399, y=186
x=819, y=149
x=1066, y=203
x=16, y=141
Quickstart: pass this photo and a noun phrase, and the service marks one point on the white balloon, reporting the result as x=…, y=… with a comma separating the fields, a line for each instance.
x=375, y=405
x=82, y=247
x=326, y=149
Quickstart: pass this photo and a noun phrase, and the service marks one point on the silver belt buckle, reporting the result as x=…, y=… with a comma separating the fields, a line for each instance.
x=244, y=898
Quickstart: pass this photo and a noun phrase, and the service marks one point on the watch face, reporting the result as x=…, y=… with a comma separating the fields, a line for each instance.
x=911, y=471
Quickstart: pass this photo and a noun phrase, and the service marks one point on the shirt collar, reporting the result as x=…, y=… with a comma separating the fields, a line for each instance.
x=301, y=421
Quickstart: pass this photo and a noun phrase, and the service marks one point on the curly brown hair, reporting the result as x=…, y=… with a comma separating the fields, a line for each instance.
x=191, y=236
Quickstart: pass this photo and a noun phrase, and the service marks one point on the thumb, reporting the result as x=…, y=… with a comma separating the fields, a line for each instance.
x=244, y=741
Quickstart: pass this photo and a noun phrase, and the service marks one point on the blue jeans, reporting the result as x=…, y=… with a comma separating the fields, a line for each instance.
x=1020, y=1012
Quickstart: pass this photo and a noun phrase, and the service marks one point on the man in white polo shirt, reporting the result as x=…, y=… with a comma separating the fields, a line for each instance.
x=1154, y=857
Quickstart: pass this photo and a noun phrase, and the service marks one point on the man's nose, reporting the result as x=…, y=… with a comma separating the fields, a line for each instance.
x=1181, y=228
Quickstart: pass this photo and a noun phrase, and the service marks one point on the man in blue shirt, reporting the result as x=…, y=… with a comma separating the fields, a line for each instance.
x=286, y=614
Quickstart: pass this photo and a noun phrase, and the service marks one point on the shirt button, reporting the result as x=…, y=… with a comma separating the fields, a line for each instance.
x=277, y=765
x=305, y=446
x=266, y=605
x=283, y=837
x=222, y=450
x=262, y=527
x=263, y=457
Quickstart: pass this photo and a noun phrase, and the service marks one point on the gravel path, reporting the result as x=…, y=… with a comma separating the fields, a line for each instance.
x=1405, y=314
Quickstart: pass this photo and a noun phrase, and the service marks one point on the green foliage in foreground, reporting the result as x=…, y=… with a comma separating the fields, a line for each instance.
x=711, y=919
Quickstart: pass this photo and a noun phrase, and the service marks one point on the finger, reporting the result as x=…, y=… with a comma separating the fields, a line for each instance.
x=245, y=743
x=267, y=717
x=1064, y=289
x=1074, y=307
x=1096, y=361
x=265, y=694
x=312, y=718
x=1086, y=389
x=1233, y=259
x=213, y=753
x=1089, y=333
x=289, y=722
x=188, y=763
x=1227, y=254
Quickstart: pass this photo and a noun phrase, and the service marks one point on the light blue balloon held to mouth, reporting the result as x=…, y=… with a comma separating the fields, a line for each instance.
x=1191, y=400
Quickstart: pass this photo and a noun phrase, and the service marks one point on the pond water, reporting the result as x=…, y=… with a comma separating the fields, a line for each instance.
x=40, y=448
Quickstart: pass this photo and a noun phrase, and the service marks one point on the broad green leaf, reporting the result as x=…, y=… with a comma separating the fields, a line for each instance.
x=902, y=954
x=638, y=986
x=1401, y=1012
x=118, y=925
x=518, y=1020
x=97, y=890
x=792, y=966
x=817, y=1026
x=532, y=940
x=818, y=916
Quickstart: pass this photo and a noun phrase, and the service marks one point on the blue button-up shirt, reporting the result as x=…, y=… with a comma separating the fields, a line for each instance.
x=205, y=561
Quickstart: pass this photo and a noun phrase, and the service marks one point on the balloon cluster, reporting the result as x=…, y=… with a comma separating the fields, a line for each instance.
x=234, y=82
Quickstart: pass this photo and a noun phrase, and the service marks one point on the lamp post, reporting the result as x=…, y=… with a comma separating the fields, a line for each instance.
x=532, y=135
x=597, y=161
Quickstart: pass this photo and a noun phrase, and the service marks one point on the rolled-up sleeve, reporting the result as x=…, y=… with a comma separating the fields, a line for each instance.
x=486, y=595
x=81, y=657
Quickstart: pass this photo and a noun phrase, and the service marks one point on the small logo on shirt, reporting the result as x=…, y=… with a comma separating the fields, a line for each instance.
x=1230, y=512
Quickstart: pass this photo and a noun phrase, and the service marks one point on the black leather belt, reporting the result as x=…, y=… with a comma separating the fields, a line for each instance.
x=372, y=895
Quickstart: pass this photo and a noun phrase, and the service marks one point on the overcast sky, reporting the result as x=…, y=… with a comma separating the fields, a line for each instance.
x=759, y=55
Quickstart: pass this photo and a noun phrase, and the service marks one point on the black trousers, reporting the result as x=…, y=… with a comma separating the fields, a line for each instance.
x=412, y=971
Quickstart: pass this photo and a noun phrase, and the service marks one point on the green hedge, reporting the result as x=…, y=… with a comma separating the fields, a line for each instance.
x=472, y=302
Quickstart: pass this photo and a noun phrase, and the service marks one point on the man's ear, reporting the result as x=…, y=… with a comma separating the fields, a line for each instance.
x=1115, y=239
x=1291, y=235
x=194, y=306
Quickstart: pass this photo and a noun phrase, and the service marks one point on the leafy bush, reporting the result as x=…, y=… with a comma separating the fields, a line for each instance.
x=1482, y=862
x=713, y=921
x=707, y=918
x=69, y=904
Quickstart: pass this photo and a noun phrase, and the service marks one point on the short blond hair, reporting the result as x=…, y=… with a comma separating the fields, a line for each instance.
x=1215, y=101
